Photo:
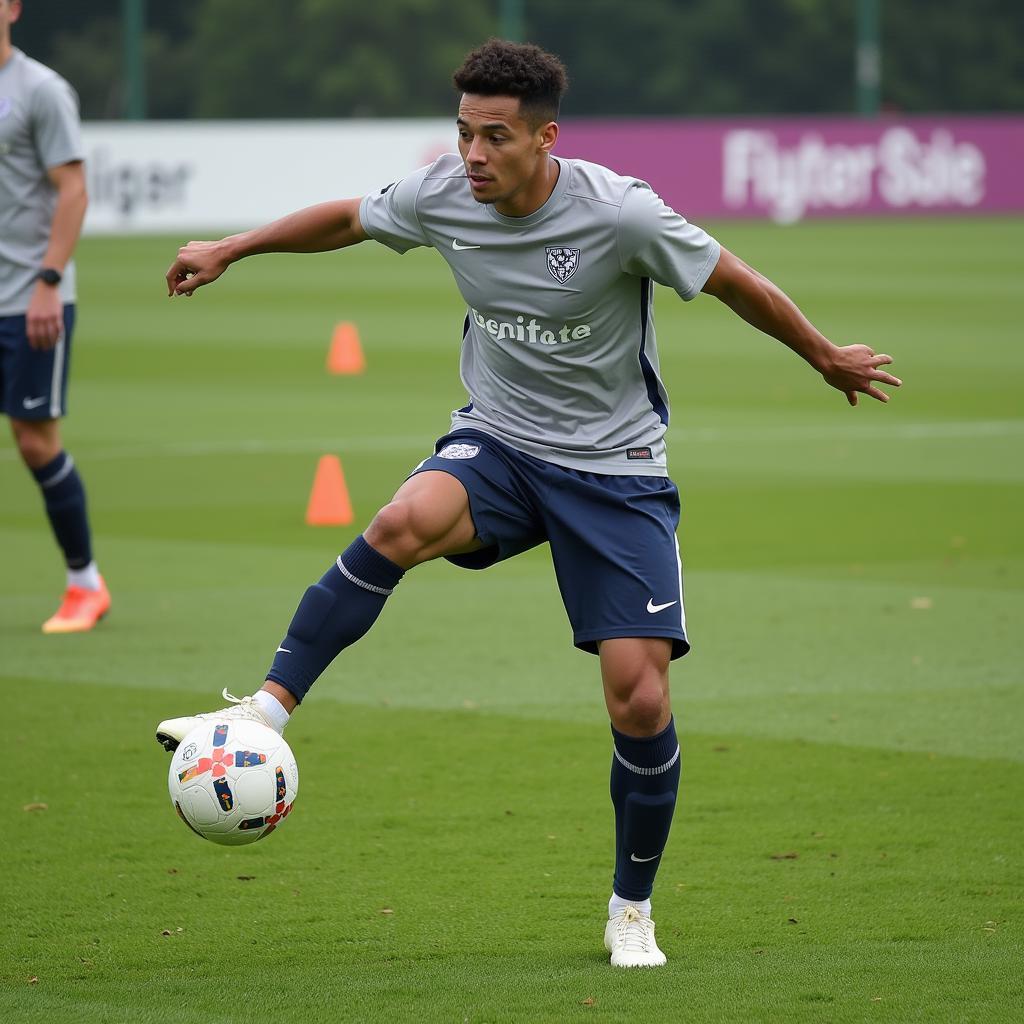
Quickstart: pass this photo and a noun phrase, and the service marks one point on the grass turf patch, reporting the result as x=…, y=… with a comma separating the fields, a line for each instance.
x=454, y=865
x=845, y=848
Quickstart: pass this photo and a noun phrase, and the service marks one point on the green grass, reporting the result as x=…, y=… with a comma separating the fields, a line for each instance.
x=848, y=841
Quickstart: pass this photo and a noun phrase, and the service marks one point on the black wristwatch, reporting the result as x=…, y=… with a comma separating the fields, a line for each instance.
x=48, y=275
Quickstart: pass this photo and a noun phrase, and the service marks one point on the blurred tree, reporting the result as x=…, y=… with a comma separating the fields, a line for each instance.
x=956, y=57
x=350, y=58
x=672, y=57
x=334, y=58
x=83, y=43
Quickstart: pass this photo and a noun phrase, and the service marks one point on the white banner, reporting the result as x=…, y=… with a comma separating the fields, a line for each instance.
x=220, y=176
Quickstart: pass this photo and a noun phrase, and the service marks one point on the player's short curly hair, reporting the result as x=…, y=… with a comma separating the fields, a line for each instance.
x=500, y=68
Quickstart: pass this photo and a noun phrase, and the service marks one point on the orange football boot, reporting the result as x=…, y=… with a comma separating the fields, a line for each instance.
x=80, y=610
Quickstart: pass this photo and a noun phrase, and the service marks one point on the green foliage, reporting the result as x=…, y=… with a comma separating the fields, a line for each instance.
x=324, y=59
x=349, y=58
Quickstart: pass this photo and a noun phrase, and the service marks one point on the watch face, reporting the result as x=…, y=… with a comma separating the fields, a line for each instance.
x=50, y=276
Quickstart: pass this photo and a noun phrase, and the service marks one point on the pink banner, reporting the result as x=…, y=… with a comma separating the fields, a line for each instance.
x=787, y=169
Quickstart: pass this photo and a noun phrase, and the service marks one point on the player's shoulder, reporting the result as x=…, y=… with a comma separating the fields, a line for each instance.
x=33, y=77
x=448, y=166
x=595, y=183
x=447, y=174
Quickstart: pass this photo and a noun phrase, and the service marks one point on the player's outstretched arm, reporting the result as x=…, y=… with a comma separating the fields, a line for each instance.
x=852, y=369
x=318, y=228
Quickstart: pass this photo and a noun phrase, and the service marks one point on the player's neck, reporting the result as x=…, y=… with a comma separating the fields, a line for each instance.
x=6, y=50
x=534, y=196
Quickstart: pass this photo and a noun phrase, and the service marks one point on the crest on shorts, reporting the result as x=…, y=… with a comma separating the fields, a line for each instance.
x=459, y=451
x=562, y=262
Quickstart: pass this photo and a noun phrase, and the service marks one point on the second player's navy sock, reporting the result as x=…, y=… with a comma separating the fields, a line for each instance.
x=645, y=780
x=64, y=497
x=333, y=614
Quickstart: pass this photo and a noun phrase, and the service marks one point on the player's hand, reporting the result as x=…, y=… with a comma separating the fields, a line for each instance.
x=44, y=320
x=855, y=369
x=198, y=263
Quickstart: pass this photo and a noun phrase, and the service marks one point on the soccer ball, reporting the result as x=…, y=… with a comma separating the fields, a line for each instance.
x=233, y=782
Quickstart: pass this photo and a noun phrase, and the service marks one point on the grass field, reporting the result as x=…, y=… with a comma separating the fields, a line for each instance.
x=848, y=844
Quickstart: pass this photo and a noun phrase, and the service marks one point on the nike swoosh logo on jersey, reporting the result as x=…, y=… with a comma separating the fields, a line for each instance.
x=652, y=607
x=643, y=860
x=284, y=650
x=33, y=403
x=457, y=247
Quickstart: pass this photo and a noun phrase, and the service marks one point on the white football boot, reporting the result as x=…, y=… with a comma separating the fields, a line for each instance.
x=172, y=731
x=629, y=937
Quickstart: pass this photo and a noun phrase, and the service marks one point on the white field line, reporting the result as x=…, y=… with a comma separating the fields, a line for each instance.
x=937, y=431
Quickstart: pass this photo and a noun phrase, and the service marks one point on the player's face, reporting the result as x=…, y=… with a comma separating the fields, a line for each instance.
x=506, y=158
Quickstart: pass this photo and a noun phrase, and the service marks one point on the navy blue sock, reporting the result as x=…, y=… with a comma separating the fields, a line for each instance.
x=333, y=614
x=64, y=497
x=645, y=780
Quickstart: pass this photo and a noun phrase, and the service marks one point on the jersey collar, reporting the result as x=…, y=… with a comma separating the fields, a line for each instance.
x=549, y=207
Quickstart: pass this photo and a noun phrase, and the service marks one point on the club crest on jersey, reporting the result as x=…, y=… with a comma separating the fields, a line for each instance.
x=6, y=106
x=459, y=451
x=562, y=262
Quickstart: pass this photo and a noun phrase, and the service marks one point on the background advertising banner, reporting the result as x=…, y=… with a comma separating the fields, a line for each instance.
x=221, y=176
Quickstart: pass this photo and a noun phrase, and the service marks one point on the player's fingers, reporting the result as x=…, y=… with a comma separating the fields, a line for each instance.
x=42, y=332
x=175, y=275
x=189, y=284
x=876, y=393
x=886, y=378
x=851, y=397
x=881, y=359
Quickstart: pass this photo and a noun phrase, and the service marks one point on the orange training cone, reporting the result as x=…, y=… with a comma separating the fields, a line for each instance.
x=329, y=503
x=345, y=354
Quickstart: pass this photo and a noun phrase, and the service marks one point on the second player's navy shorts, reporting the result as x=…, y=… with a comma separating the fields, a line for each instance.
x=612, y=538
x=34, y=381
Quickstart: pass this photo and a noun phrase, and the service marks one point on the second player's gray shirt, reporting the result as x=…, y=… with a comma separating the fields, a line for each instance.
x=39, y=129
x=558, y=355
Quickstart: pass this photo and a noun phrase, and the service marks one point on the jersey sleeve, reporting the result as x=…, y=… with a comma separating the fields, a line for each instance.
x=57, y=133
x=656, y=242
x=389, y=216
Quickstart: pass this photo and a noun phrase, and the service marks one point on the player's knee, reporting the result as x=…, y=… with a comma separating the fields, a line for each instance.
x=390, y=530
x=640, y=708
x=400, y=531
x=37, y=443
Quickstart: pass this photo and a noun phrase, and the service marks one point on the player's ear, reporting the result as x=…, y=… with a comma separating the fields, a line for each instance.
x=547, y=135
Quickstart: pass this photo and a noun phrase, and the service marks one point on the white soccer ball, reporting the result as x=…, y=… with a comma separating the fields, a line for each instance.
x=233, y=782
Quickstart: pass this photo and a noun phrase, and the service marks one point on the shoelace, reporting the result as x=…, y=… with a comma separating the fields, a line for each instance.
x=244, y=706
x=634, y=931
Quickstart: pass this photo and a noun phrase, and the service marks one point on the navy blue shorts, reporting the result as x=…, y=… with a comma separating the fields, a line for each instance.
x=34, y=382
x=612, y=538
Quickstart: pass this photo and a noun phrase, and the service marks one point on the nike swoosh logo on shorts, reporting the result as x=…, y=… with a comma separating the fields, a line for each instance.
x=33, y=403
x=457, y=247
x=643, y=860
x=652, y=607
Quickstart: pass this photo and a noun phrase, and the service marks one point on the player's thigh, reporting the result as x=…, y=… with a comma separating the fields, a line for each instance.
x=502, y=504
x=33, y=382
x=616, y=558
x=428, y=517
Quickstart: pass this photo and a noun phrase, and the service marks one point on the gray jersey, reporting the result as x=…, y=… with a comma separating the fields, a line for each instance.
x=558, y=353
x=39, y=129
